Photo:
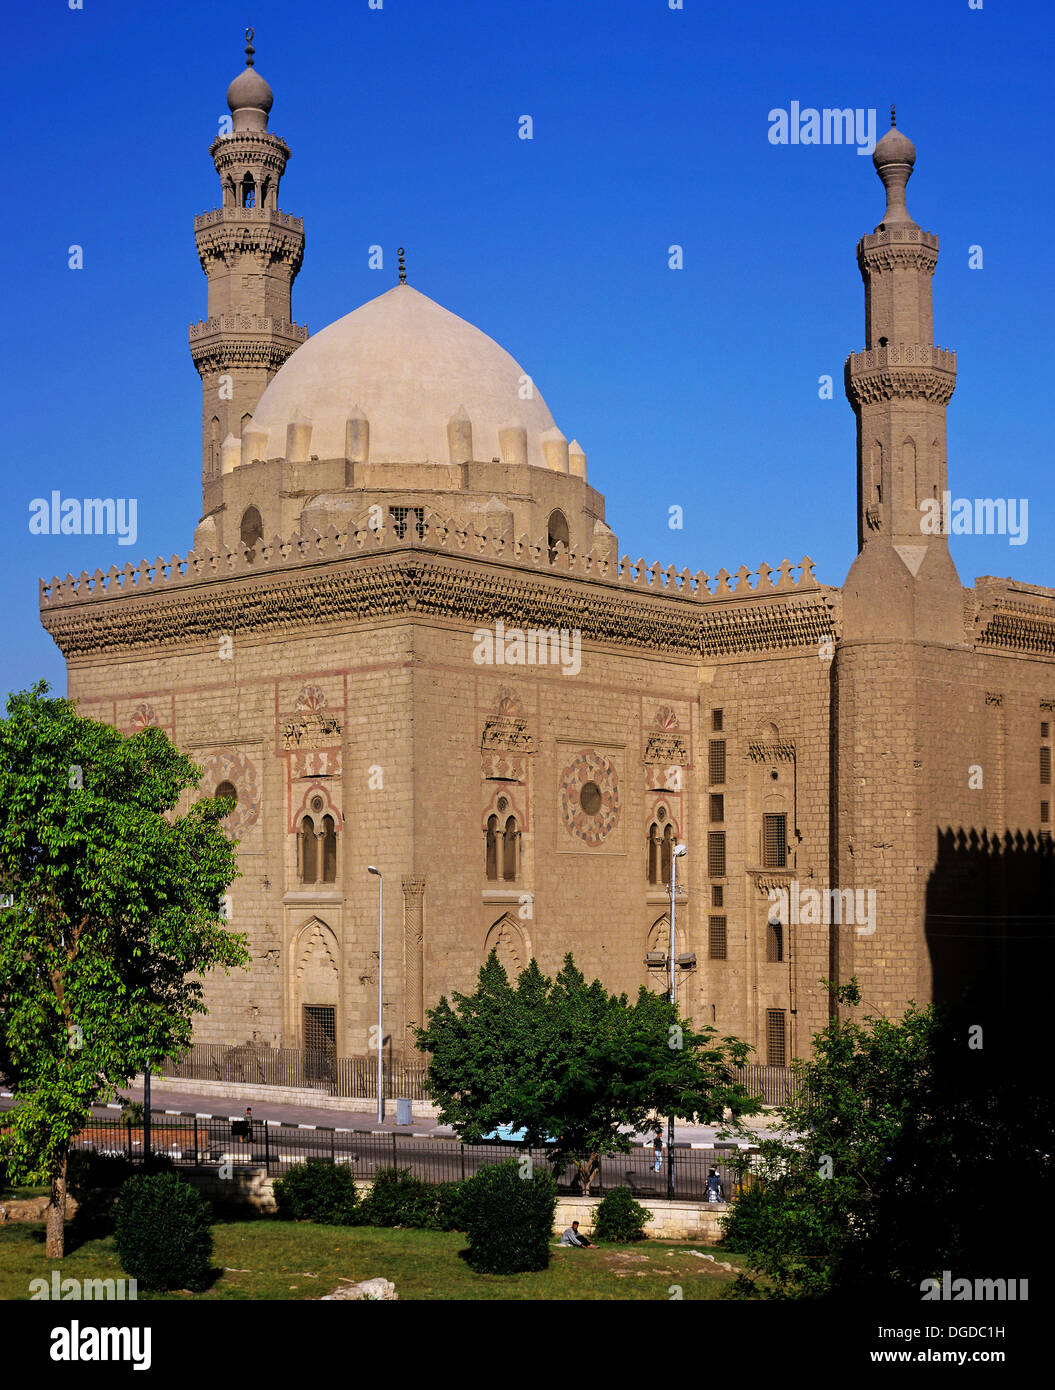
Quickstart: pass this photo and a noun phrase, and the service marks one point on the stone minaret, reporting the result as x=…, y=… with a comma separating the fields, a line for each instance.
x=902, y=644
x=899, y=387
x=251, y=253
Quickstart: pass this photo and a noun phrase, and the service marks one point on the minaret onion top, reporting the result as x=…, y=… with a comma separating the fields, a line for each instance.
x=893, y=158
x=249, y=96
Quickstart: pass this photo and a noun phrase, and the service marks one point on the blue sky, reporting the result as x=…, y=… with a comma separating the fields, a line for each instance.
x=696, y=387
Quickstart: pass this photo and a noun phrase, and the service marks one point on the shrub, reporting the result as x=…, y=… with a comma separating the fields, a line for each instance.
x=510, y=1218
x=318, y=1191
x=161, y=1232
x=399, y=1199
x=620, y=1218
x=451, y=1208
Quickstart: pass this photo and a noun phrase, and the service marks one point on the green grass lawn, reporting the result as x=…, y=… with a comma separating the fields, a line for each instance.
x=283, y=1260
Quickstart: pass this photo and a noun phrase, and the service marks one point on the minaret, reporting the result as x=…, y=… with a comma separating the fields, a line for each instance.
x=251, y=253
x=899, y=387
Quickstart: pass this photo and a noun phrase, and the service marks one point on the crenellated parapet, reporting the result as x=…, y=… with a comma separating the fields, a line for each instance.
x=446, y=568
x=1010, y=616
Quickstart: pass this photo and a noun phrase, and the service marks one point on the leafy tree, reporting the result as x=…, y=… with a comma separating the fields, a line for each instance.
x=564, y=1059
x=895, y=1164
x=112, y=907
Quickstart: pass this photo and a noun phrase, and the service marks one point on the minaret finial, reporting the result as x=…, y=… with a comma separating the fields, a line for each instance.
x=249, y=49
x=893, y=117
x=402, y=266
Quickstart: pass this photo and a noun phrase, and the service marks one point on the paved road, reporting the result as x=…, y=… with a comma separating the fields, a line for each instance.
x=169, y=1097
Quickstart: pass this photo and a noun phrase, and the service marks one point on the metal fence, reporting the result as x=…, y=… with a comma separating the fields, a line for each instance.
x=776, y=1085
x=357, y=1076
x=200, y=1141
x=294, y=1067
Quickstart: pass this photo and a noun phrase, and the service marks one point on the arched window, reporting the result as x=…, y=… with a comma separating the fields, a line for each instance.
x=492, y=847
x=308, y=843
x=214, y=445
x=653, y=853
x=329, y=850
x=265, y=188
x=228, y=791
x=558, y=532
x=248, y=192
x=252, y=529
x=509, y=850
x=666, y=853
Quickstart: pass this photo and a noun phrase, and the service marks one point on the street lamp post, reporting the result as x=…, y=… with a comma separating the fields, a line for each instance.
x=679, y=850
x=380, y=972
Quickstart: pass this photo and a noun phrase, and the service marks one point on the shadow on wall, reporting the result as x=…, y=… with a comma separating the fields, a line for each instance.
x=990, y=929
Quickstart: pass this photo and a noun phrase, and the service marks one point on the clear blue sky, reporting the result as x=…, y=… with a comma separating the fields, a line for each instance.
x=695, y=387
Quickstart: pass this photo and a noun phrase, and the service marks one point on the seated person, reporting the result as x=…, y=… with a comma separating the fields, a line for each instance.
x=573, y=1236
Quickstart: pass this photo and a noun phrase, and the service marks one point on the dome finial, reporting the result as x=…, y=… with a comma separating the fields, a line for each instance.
x=402, y=265
x=893, y=117
x=249, y=49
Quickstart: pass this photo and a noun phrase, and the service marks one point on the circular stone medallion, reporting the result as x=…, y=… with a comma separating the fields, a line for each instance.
x=589, y=797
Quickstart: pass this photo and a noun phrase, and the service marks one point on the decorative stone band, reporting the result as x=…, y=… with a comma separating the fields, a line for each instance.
x=890, y=236
x=221, y=343
x=216, y=242
x=256, y=145
x=1011, y=616
x=901, y=371
x=882, y=259
x=308, y=581
x=259, y=217
x=771, y=752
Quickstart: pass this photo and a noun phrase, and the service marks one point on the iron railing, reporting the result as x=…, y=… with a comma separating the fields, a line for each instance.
x=202, y=1141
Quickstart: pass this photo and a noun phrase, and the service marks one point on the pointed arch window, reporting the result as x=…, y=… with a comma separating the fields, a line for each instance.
x=308, y=845
x=666, y=857
x=558, y=533
x=252, y=530
x=653, y=853
x=329, y=850
x=248, y=192
x=492, y=847
x=509, y=850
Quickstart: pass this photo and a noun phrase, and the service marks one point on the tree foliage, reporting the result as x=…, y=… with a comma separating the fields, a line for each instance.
x=112, y=908
x=895, y=1166
x=564, y=1059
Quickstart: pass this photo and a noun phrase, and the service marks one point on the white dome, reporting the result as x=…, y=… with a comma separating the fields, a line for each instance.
x=409, y=365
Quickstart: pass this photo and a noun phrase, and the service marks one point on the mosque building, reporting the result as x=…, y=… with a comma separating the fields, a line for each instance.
x=405, y=639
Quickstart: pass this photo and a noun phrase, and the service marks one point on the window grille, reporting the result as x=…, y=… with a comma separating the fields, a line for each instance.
x=1045, y=767
x=774, y=942
x=716, y=761
x=717, y=938
x=717, y=895
x=774, y=841
x=776, y=1038
x=716, y=720
x=320, y=1029
x=717, y=806
x=401, y=516
x=716, y=853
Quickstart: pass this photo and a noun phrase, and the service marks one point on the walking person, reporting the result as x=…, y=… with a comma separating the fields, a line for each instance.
x=657, y=1145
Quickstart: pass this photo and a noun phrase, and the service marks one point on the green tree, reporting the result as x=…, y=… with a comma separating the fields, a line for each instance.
x=566, y=1060
x=112, y=906
x=895, y=1164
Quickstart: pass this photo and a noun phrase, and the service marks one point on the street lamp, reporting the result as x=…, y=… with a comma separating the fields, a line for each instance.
x=679, y=850
x=380, y=960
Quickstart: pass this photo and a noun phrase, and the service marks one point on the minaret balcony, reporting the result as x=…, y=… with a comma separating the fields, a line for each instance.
x=901, y=371
x=258, y=216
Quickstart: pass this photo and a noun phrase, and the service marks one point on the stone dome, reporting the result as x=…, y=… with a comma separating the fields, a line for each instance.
x=249, y=90
x=894, y=148
x=409, y=366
